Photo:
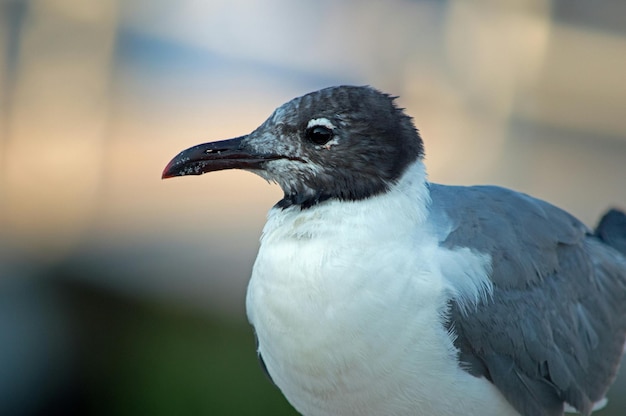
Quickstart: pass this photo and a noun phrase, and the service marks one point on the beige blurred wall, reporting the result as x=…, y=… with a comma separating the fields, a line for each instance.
x=58, y=121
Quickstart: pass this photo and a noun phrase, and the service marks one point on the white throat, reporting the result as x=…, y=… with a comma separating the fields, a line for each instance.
x=348, y=301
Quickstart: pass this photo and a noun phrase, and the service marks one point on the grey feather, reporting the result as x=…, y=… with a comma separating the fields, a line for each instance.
x=554, y=329
x=262, y=361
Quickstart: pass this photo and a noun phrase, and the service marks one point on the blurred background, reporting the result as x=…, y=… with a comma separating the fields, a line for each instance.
x=124, y=294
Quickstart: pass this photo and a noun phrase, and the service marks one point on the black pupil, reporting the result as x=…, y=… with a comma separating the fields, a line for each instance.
x=319, y=134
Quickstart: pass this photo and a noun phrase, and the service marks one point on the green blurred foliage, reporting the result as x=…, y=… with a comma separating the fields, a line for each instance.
x=174, y=364
x=115, y=354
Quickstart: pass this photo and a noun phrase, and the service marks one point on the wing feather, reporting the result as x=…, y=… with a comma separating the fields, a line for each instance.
x=553, y=330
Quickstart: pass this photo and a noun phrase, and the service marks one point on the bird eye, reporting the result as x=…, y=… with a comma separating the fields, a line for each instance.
x=319, y=135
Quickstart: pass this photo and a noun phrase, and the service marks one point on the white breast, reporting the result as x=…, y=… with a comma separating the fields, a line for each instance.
x=348, y=301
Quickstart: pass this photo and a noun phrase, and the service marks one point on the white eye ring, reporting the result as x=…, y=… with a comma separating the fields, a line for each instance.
x=324, y=122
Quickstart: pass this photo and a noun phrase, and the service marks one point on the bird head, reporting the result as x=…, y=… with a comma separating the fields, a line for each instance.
x=346, y=143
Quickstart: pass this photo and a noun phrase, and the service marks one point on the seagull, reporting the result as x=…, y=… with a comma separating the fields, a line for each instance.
x=377, y=292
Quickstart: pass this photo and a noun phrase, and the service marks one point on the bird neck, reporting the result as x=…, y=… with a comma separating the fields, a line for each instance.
x=394, y=212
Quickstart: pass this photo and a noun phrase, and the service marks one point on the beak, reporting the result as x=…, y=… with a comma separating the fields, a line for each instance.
x=209, y=157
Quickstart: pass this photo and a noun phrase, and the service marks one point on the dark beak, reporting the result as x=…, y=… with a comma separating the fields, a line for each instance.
x=209, y=157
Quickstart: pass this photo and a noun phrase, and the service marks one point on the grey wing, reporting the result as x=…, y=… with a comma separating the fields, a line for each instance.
x=554, y=329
